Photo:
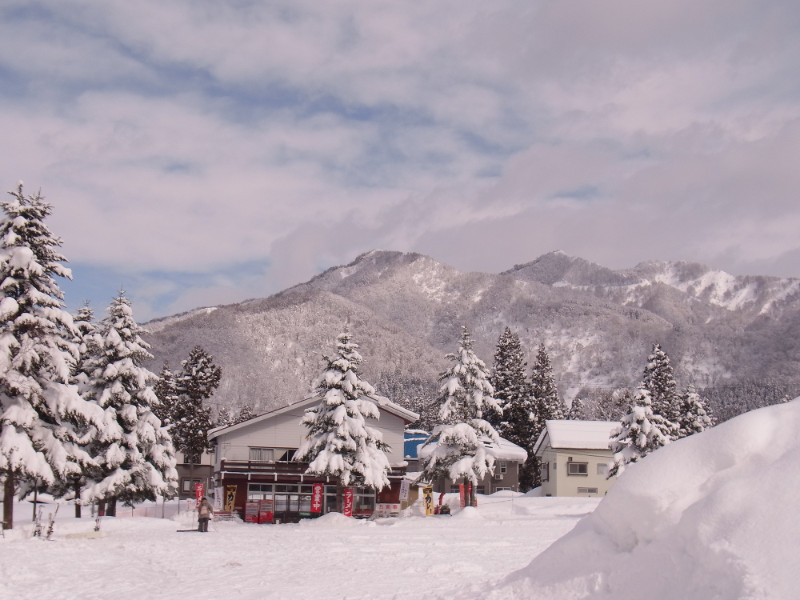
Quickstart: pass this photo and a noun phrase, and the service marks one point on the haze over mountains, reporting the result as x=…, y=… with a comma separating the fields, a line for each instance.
x=406, y=311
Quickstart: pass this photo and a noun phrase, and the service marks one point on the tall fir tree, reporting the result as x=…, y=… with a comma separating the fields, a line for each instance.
x=42, y=416
x=166, y=391
x=659, y=380
x=85, y=329
x=544, y=389
x=339, y=442
x=639, y=433
x=191, y=420
x=513, y=394
x=456, y=448
x=135, y=455
x=694, y=414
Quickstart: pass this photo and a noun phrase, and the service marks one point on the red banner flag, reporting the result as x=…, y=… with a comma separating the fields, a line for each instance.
x=461, y=495
x=198, y=492
x=316, y=498
x=347, y=508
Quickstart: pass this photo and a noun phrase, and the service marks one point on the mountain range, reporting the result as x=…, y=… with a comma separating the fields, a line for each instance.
x=406, y=310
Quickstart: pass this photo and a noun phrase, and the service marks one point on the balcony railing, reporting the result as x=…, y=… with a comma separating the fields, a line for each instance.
x=254, y=466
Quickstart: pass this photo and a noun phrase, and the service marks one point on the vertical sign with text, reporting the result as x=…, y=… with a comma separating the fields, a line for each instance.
x=405, y=486
x=316, y=498
x=347, y=507
x=427, y=495
x=198, y=492
x=230, y=497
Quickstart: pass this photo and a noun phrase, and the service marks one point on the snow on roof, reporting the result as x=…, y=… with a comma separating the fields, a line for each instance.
x=504, y=451
x=381, y=401
x=583, y=435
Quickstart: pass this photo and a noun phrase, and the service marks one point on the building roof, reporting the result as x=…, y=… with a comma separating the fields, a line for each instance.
x=382, y=402
x=580, y=435
x=505, y=450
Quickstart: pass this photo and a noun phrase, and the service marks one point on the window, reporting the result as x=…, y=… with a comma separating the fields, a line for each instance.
x=577, y=468
x=262, y=455
x=587, y=490
x=545, y=471
x=286, y=455
x=503, y=468
x=188, y=485
x=602, y=469
x=259, y=491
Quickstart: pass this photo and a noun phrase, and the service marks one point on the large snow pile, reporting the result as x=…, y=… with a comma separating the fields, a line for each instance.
x=710, y=516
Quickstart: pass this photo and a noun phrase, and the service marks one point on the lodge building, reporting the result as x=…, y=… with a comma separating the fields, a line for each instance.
x=256, y=477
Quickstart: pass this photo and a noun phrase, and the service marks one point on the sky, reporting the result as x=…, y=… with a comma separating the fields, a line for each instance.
x=199, y=153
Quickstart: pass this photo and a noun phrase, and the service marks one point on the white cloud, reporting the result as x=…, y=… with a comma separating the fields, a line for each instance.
x=192, y=137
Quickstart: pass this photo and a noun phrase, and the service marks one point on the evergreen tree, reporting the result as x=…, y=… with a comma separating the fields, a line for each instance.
x=456, y=449
x=245, y=413
x=166, y=391
x=85, y=330
x=694, y=415
x=639, y=433
x=191, y=421
x=135, y=455
x=42, y=417
x=339, y=441
x=659, y=381
x=577, y=410
x=225, y=417
x=513, y=394
x=543, y=388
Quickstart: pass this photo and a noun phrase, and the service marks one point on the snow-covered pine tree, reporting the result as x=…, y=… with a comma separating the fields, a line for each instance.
x=339, y=442
x=639, y=433
x=42, y=416
x=456, y=448
x=224, y=417
x=659, y=380
x=135, y=456
x=245, y=413
x=513, y=394
x=577, y=410
x=694, y=415
x=85, y=328
x=191, y=421
x=544, y=389
x=166, y=391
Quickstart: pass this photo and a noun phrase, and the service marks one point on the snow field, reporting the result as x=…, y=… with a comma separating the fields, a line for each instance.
x=331, y=557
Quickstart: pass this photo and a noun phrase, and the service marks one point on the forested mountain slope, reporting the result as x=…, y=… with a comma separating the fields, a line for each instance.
x=405, y=310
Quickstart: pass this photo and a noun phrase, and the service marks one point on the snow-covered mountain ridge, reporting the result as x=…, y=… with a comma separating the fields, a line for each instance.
x=759, y=294
x=406, y=311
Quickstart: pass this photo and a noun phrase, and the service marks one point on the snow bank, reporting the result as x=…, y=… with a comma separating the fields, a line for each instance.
x=710, y=516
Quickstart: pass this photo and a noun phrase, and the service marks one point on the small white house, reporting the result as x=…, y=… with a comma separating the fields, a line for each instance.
x=574, y=457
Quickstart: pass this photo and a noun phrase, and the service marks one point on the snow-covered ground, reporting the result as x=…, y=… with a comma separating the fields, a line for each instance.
x=711, y=516
x=331, y=557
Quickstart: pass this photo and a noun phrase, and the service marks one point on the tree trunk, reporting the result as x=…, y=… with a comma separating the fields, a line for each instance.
x=77, y=488
x=111, y=507
x=8, y=501
x=192, y=489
